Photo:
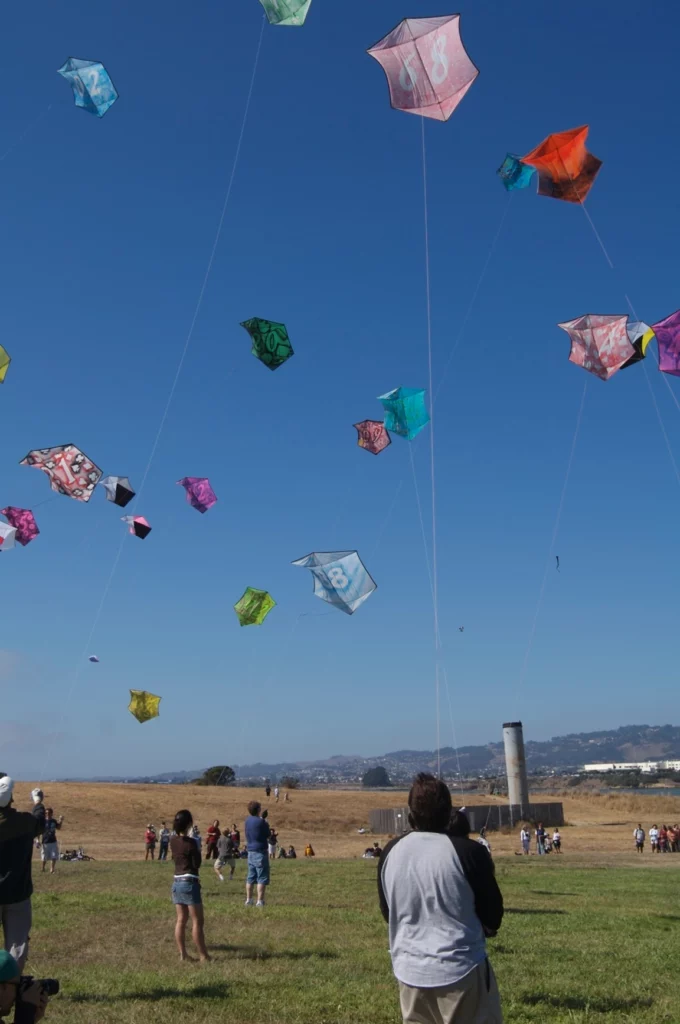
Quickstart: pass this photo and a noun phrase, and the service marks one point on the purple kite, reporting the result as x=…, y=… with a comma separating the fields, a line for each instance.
x=668, y=337
x=428, y=70
x=139, y=527
x=599, y=343
x=373, y=436
x=24, y=521
x=200, y=494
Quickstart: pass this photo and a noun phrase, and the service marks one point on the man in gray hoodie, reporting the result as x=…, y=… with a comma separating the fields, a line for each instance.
x=439, y=896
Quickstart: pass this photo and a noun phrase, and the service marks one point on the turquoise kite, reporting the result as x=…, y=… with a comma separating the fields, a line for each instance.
x=286, y=12
x=405, y=411
x=93, y=89
x=514, y=173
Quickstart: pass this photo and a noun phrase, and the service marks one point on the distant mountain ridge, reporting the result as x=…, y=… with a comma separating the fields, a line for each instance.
x=627, y=743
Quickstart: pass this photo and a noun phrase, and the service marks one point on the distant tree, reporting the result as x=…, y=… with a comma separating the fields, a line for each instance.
x=376, y=777
x=219, y=775
x=290, y=782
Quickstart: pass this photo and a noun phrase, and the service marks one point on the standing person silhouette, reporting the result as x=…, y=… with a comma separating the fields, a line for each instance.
x=186, y=886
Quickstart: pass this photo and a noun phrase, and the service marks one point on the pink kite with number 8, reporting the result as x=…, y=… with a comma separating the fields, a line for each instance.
x=427, y=67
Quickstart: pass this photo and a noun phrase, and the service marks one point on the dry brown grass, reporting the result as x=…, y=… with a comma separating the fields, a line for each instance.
x=109, y=820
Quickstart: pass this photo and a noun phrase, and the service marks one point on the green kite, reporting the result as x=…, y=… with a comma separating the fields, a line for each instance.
x=271, y=344
x=286, y=12
x=254, y=607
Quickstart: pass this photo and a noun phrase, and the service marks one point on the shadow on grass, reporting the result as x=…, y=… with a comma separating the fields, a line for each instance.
x=668, y=917
x=549, y=892
x=533, y=910
x=596, y=1004
x=253, y=953
x=218, y=991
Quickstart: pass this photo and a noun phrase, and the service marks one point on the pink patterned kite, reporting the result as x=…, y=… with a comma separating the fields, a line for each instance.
x=599, y=343
x=428, y=70
x=373, y=436
x=24, y=521
x=70, y=471
x=200, y=494
x=668, y=338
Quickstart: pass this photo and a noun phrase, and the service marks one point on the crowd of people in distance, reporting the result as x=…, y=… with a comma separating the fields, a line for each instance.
x=661, y=840
x=545, y=843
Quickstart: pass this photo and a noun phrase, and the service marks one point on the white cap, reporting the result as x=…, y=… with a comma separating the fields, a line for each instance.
x=6, y=789
x=36, y=795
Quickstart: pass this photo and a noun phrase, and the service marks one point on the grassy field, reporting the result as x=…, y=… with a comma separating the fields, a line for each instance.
x=580, y=943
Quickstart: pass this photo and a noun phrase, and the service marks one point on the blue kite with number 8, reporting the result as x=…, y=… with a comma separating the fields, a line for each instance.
x=340, y=578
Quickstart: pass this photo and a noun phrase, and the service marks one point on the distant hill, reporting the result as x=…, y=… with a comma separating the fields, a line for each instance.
x=628, y=743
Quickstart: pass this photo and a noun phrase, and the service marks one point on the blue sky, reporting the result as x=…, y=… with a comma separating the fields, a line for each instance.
x=107, y=228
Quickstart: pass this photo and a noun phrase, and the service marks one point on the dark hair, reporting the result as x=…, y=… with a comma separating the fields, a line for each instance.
x=48, y=810
x=429, y=804
x=460, y=826
x=183, y=822
x=254, y=808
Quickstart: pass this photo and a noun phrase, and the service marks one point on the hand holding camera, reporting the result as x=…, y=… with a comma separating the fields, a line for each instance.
x=32, y=997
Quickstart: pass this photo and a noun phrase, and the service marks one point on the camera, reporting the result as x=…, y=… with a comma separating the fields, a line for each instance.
x=50, y=986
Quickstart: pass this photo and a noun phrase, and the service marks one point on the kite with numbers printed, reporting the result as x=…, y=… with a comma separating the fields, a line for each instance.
x=427, y=67
x=340, y=578
x=92, y=87
x=70, y=471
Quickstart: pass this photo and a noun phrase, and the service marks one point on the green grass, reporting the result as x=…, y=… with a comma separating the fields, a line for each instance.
x=577, y=944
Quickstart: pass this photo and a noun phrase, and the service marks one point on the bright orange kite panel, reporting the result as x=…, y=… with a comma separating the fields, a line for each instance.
x=566, y=170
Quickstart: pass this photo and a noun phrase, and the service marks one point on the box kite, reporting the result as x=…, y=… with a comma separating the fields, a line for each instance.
x=200, y=494
x=566, y=170
x=428, y=70
x=254, y=607
x=23, y=520
x=599, y=343
x=94, y=659
x=405, y=412
x=5, y=360
x=93, y=89
x=118, y=490
x=668, y=338
x=271, y=344
x=340, y=578
x=70, y=471
x=7, y=537
x=144, y=706
x=286, y=12
x=373, y=436
x=639, y=335
x=515, y=174
x=138, y=526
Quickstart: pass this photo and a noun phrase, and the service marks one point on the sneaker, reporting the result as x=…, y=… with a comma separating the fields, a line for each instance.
x=260, y=903
x=221, y=877
x=249, y=903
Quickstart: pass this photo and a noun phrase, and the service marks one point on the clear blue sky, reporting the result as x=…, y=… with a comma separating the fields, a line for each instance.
x=107, y=227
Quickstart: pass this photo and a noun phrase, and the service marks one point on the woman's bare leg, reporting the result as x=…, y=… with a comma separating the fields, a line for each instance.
x=180, y=930
x=197, y=933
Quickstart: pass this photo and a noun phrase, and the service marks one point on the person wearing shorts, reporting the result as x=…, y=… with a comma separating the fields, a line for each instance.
x=186, y=886
x=257, y=836
x=49, y=850
x=226, y=856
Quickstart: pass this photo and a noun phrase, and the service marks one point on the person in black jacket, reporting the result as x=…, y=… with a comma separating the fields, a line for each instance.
x=439, y=896
x=18, y=829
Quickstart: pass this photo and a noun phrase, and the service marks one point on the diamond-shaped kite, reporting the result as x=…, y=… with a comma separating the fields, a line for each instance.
x=143, y=705
x=254, y=607
x=24, y=522
x=271, y=344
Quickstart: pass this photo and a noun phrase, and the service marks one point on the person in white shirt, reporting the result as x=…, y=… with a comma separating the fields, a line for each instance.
x=557, y=841
x=639, y=837
x=525, y=840
x=654, y=838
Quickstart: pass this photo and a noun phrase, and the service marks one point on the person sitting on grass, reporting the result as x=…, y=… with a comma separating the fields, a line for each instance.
x=309, y=852
x=50, y=847
x=186, y=886
x=292, y=855
x=227, y=852
x=32, y=1000
x=257, y=836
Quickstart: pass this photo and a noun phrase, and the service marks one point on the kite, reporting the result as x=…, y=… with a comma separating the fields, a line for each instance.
x=405, y=412
x=639, y=335
x=118, y=490
x=340, y=578
x=428, y=70
x=200, y=494
x=94, y=659
x=515, y=174
x=7, y=537
x=93, y=89
x=5, y=360
x=373, y=436
x=138, y=526
x=668, y=337
x=254, y=607
x=286, y=12
x=144, y=706
x=599, y=343
x=461, y=629
x=558, y=562
x=271, y=344
x=24, y=522
x=566, y=170
x=70, y=471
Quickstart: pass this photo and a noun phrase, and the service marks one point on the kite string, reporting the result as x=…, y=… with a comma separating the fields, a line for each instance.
x=553, y=540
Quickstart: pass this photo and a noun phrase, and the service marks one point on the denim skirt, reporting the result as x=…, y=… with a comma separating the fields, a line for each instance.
x=186, y=892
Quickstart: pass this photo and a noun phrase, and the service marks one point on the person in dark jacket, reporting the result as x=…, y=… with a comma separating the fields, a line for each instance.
x=33, y=998
x=439, y=896
x=18, y=829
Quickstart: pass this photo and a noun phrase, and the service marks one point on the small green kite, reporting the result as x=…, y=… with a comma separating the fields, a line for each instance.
x=286, y=12
x=271, y=344
x=254, y=607
x=5, y=360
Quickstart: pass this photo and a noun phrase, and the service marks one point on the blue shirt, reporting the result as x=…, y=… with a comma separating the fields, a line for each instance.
x=257, y=833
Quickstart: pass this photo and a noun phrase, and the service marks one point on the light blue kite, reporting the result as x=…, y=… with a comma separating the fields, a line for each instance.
x=405, y=411
x=514, y=174
x=93, y=89
x=340, y=578
x=286, y=12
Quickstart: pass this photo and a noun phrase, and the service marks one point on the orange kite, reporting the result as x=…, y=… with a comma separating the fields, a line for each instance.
x=566, y=170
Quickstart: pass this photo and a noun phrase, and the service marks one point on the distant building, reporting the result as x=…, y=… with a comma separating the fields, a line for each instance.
x=633, y=766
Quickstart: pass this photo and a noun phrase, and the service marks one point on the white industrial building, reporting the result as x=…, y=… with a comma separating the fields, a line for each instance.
x=631, y=766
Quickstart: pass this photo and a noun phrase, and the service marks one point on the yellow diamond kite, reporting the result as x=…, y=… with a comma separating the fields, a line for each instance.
x=143, y=705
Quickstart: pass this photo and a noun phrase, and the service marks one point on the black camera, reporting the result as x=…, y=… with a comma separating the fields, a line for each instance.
x=50, y=986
